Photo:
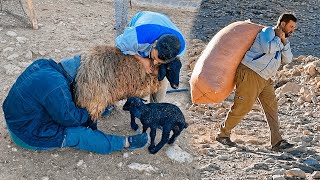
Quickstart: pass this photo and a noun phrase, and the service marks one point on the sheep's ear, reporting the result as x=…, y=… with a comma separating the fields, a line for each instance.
x=162, y=72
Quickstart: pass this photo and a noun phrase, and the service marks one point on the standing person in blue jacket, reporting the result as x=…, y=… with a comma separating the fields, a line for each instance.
x=153, y=39
x=253, y=80
x=41, y=115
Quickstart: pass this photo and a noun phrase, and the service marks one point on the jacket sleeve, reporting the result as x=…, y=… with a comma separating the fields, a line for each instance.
x=269, y=42
x=62, y=109
x=286, y=54
x=127, y=42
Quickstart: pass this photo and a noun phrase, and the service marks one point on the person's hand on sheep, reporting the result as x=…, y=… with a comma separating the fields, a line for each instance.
x=146, y=62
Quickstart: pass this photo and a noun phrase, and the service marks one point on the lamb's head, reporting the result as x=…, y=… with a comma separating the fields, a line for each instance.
x=134, y=105
x=171, y=70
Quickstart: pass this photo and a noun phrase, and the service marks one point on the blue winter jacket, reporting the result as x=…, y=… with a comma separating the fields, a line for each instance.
x=39, y=105
x=144, y=29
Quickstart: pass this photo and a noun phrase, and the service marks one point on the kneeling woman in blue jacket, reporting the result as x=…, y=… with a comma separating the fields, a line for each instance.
x=41, y=115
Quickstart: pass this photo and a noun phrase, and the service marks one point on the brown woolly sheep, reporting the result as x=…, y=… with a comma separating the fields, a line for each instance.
x=106, y=76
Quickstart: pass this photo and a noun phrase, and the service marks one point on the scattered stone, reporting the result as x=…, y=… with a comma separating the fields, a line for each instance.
x=22, y=40
x=142, y=167
x=11, y=33
x=310, y=162
x=279, y=172
x=223, y=157
x=80, y=163
x=8, y=49
x=42, y=53
x=316, y=175
x=12, y=57
x=28, y=55
x=125, y=155
x=45, y=178
x=295, y=172
x=210, y=167
x=12, y=69
x=278, y=177
x=176, y=153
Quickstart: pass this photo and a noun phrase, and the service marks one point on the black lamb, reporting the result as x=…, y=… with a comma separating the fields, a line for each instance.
x=155, y=115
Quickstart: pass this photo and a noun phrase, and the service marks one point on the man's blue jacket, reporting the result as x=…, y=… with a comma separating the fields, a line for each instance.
x=40, y=106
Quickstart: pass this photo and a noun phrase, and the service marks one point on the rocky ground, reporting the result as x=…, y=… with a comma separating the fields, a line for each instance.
x=69, y=27
x=297, y=88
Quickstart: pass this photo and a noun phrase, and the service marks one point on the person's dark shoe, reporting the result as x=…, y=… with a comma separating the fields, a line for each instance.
x=226, y=141
x=282, y=145
x=137, y=141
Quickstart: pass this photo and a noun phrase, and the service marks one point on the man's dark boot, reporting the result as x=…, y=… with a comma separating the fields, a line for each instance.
x=226, y=141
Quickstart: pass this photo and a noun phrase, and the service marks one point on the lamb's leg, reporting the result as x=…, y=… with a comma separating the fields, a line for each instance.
x=152, y=137
x=164, y=140
x=133, y=123
x=144, y=129
x=176, y=132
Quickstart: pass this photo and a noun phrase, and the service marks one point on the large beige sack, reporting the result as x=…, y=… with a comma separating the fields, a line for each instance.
x=212, y=79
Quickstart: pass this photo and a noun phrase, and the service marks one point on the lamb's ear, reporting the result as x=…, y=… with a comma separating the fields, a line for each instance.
x=143, y=100
x=162, y=72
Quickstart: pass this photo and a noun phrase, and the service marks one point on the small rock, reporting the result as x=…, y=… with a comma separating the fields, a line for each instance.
x=279, y=172
x=176, y=153
x=223, y=157
x=11, y=33
x=12, y=69
x=316, y=175
x=28, y=55
x=80, y=163
x=142, y=167
x=295, y=172
x=22, y=40
x=125, y=155
x=278, y=177
x=45, y=178
x=8, y=49
x=210, y=167
x=54, y=155
x=12, y=57
x=310, y=162
x=42, y=53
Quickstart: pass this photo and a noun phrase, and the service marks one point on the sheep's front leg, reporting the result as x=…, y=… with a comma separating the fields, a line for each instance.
x=133, y=123
x=164, y=140
x=152, y=137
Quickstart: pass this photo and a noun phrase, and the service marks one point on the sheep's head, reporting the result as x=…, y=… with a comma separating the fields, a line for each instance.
x=134, y=105
x=171, y=71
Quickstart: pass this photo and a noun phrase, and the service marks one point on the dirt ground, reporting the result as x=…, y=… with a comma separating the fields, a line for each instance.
x=68, y=27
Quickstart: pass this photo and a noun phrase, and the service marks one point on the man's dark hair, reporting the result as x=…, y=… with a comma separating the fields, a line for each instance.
x=286, y=17
x=168, y=46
